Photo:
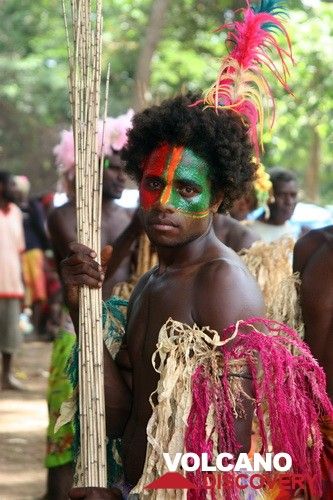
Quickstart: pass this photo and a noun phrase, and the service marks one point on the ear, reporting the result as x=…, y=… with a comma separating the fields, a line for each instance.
x=216, y=202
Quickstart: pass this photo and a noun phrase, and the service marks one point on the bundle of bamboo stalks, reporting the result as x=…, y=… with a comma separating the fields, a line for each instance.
x=84, y=41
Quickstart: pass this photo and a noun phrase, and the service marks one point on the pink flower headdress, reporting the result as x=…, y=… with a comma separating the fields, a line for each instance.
x=112, y=136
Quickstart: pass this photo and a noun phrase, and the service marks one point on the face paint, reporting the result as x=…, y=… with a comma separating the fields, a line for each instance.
x=153, y=168
x=106, y=163
x=176, y=176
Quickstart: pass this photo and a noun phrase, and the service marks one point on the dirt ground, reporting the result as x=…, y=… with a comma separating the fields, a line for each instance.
x=23, y=421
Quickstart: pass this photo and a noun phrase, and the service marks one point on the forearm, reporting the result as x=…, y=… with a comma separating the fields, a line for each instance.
x=118, y=398
x=75, y=317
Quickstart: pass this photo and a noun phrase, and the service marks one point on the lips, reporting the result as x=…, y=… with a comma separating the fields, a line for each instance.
x=164, y=225
x=162, y=222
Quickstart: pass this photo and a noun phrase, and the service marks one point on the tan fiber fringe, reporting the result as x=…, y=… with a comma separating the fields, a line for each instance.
x=271, y=265
x=180, y=350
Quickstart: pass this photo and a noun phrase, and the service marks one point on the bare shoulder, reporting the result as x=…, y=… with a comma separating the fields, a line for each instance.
x=225, y=292
x=234, y=234
x=61, y=224
x=130, y=211
x=59, y=214
x=317, y=279
x=124, y=212
x=307, y=246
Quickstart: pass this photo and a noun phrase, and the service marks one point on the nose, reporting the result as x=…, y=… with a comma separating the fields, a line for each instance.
x=162, y=207
x=290, y=200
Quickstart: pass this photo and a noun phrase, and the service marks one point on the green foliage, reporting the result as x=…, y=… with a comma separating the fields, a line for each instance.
x=311, y=81
x=33, y=74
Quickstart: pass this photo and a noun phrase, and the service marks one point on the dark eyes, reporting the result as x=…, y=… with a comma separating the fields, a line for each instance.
x=153, y=184
x=185, y=190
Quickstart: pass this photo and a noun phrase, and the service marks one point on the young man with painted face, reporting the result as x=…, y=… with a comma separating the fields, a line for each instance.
x=187, y=161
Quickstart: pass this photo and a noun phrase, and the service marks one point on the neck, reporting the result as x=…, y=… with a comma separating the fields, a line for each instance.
x=3, y=203
x=275, y=222
x=272, y=221
x=186, y=255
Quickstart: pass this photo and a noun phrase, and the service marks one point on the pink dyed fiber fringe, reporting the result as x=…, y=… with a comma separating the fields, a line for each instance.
x=292, y=386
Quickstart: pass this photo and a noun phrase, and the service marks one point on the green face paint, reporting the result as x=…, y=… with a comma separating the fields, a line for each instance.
x=106, y=163
x=178, y=177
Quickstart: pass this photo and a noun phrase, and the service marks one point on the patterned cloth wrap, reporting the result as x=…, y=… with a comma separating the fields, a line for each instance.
x=59, y=444
x=114, y=321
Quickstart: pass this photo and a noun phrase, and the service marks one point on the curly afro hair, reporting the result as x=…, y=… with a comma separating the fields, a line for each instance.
x=221, y=139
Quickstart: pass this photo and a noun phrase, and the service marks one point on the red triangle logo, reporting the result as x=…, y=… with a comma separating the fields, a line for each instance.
x=171, y=480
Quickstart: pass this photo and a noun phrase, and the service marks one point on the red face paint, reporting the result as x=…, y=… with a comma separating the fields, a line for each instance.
x=154, y=166
x=165, y=173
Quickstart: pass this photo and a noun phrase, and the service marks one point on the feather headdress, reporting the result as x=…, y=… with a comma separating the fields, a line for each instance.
x=241, y=85
x=112, y=136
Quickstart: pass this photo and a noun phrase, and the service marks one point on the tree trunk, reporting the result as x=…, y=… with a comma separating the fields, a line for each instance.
x=312, y=187
x=149, y=44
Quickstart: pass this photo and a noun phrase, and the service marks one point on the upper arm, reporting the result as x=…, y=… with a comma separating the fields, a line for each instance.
x=124, y=363
x=317, y=300
x=246, y=239
x=21, y=238
x=304, y=248
x=228, y=294
x=123, y=358
x=61, y=231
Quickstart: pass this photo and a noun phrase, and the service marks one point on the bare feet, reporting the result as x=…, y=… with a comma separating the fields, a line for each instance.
x=11, y=383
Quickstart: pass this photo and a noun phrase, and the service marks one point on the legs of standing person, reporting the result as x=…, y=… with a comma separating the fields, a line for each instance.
x=8, y=381
x=6, y=370
x=10, y=339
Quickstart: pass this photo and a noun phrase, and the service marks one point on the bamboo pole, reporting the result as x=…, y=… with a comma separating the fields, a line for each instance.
x=84, y=41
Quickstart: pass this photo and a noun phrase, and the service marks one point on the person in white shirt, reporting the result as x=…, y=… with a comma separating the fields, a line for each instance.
x=285, y=192
x=11, y=286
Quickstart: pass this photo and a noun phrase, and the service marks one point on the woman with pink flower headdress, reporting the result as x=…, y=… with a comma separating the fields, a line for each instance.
x=112, y=137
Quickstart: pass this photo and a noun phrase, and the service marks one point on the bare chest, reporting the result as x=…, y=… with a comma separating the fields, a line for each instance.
x=161, y=299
